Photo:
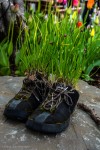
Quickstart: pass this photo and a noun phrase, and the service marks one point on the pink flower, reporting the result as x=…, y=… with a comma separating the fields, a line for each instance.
x=79, y=11
x=75, y=3
x=15, y=8
x=59, y=1
x=64, y=2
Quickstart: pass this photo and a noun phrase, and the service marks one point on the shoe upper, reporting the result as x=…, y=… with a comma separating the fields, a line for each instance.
x=58, y=106
x=30, y=96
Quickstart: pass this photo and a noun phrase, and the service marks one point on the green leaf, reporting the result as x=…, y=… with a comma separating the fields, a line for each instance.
x=4, y=70
x=87, y=77
x=4, y=60
x=17, y=59
x=17, y=72
x=10, y=48
x=90, y=67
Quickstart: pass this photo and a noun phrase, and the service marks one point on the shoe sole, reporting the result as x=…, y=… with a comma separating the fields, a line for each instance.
x=47, y=128
x=16, y=115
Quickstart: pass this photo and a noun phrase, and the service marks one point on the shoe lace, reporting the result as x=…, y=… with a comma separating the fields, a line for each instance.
x=56, y=97
x=42, y=87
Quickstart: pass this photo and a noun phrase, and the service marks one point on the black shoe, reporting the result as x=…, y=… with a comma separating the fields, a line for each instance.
x=31, y=95
x=53, y=115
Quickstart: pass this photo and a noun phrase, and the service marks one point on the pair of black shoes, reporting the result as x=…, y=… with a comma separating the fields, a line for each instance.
x=44, y=107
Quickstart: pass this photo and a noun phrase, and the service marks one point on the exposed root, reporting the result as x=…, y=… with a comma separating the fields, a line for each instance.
x=90, y=111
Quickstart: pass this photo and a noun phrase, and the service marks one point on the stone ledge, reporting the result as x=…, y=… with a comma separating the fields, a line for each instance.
x=82, y=133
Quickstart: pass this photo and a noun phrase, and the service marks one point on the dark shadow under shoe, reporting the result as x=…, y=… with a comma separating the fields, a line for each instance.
x=30, y=96
x=53, y=115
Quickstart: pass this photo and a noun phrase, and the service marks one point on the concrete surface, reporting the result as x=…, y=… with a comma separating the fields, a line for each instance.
x=82, y=133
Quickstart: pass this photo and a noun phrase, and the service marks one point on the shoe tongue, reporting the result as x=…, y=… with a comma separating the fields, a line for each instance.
x=39, y=75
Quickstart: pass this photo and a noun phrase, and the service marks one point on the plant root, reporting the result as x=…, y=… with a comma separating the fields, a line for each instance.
x=90, y=111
